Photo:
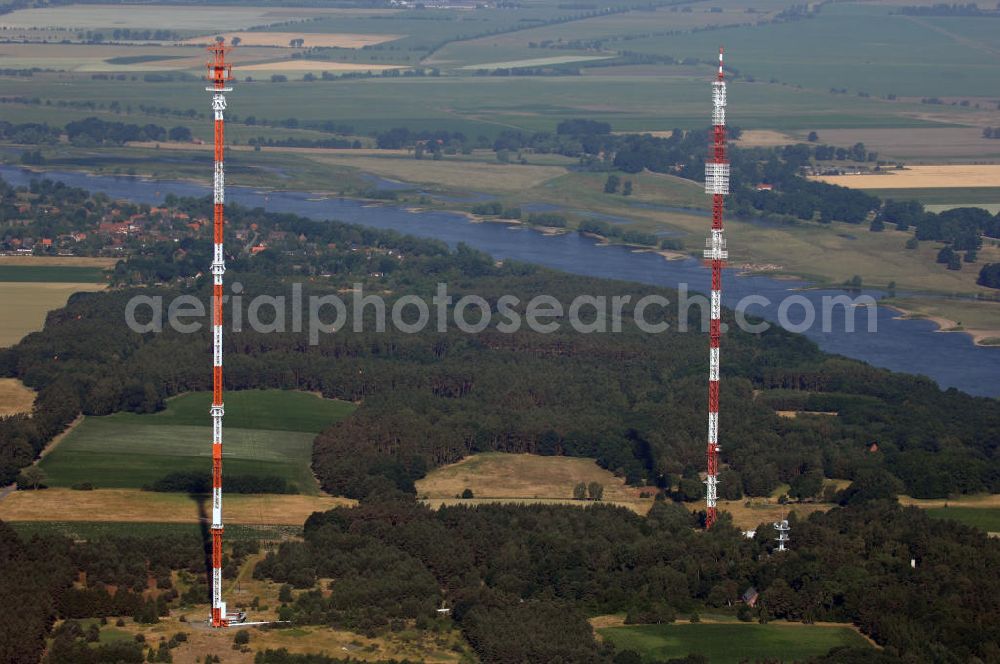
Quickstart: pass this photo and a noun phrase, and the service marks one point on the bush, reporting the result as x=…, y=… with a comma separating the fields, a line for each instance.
x=242, y=637
x=467, y=493
x=653, y=614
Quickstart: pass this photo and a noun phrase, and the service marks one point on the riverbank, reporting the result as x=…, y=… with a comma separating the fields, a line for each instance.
x=898, y=345
x=978, y=320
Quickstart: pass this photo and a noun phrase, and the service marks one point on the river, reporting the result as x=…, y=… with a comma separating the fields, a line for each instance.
x=912, y=346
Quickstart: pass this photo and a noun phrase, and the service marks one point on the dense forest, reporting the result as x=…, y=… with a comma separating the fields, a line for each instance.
x=432, y=398
x=52, y=577
x=521, y=580
x=632, y=400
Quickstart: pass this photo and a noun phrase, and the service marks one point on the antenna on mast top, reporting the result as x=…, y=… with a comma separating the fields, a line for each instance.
x=220, y=72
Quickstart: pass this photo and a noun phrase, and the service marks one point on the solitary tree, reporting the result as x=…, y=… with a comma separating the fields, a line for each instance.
x=32, y=476
x=596, y=490
x=580, y=491
x=611, y=184
x=627, y=189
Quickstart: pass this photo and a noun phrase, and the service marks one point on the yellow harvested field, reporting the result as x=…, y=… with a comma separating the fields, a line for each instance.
x=941, y=176
x=449, y=172
x=525, y=477
x=15, y=397
x=310, y=39
x=765, y=138
x=59, y=261
x=25, y=306
x=147, y=506
x=301, y=64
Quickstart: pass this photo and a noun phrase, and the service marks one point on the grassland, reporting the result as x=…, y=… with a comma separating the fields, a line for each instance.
x=987, y=519
x=888, y=54
x=924, y=145
x=749, y=513
x=193, y=18
x=113, y=454
x=15, y=397
x=31, y=286
x=268, y=432
x=436, y=647
x=309, y=39
x=498, y=477
x=950, y=196
x=53, y=274
x=487, y=105
x=26, y=305
x=133, y=505
x=731, y=643
x=274, y=410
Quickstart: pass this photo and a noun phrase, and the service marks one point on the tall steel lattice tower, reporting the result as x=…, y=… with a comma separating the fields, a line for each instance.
x=219, y=73
x=716, y=184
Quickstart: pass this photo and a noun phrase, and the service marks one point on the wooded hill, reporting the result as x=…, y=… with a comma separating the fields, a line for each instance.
x=634, y=401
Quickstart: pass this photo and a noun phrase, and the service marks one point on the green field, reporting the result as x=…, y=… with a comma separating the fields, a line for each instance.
x=887, y=54
x=267, y=433
x=732, y=642
x=985, y=518
x=956, y=196
x=275, y=410
x=63, y=274
x=85, y=530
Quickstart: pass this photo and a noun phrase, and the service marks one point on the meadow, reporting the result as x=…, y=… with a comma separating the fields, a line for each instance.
x=498, y=477
x=987, y=519
x=26, y=304
x=275, y=410
x=861, y=47
x=731, y=643
x=134, y=506
x=55, y=274
x=267, y=432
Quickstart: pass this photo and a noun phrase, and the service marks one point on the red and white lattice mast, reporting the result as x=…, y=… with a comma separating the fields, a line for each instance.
x=716, y=184
x=220, y=74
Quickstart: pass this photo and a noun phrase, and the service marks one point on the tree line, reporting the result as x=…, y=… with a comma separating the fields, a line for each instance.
x=432, y=398
x=521, y=580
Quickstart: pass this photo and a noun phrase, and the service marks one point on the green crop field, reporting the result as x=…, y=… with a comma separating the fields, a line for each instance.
x=732, y=643
x=62, y=274
x=268, y=432
x=861, y=47
x=956, y=196
x=275, y=410
x=113, y=454
x=985, y=518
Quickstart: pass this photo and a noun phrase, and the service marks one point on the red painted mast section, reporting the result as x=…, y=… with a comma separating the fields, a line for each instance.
x=219, y=73
x=716, y=184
